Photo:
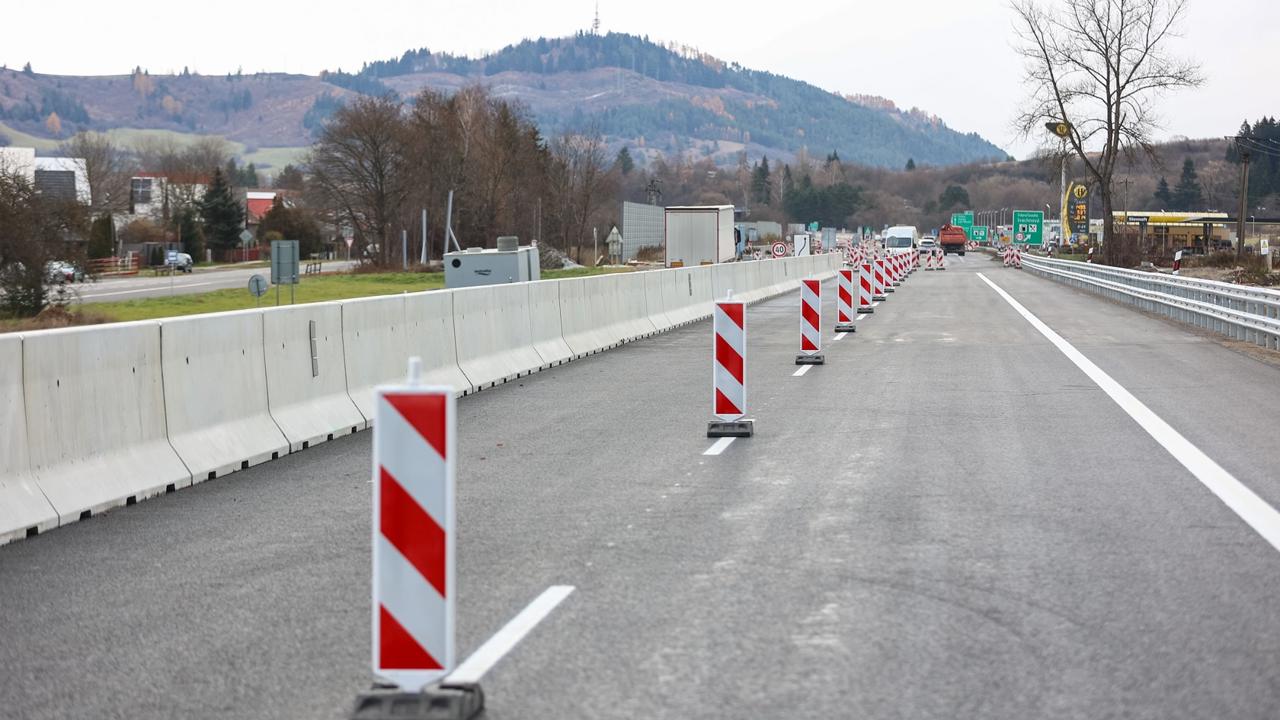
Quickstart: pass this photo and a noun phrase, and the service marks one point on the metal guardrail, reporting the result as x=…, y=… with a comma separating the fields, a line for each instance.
x=1239, y=312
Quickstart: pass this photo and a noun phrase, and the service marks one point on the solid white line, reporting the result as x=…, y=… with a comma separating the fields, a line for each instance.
x=488, y=654
x=803, y=369
x=1244, y=502
x=157, y=288
x=719, y=446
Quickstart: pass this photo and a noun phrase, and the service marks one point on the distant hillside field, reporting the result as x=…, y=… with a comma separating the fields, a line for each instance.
x=649, y=97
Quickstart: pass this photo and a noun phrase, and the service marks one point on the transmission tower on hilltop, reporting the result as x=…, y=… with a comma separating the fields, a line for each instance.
x=595, y=24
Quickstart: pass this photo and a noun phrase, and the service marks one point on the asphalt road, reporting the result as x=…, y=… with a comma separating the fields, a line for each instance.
x=947, y=520
x=200, y=281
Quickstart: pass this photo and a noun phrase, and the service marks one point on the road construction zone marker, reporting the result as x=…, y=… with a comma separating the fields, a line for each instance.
x=941, y=258
x=729, y=371
x=930, y=263
x=810, y=323
x=413, y=533
x=844, y=302
x=864, y=288
x=1177, y=262
x=880, y=287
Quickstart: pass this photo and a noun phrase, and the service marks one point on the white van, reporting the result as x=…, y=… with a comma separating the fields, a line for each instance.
x=901, y=239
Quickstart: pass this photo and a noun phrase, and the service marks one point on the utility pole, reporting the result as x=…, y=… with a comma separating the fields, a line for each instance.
x=423, y=259
x=1244, y=202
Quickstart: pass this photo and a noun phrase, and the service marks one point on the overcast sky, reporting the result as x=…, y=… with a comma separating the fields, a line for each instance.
x=953, y=58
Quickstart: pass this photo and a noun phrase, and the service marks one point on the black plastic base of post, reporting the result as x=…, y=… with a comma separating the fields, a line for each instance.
x=731, y=428
x=888, y=290
x=879, y=298
x=435, y=702
x=818, y=359
x=847, y=328
x=863, y=310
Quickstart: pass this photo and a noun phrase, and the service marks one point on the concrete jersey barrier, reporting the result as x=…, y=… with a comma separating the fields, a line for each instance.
x=545, y=329
x=215, y=393
x=493, y=333
x=306, y=392
x=22, y=505
x=429, y=321
x=96, y=417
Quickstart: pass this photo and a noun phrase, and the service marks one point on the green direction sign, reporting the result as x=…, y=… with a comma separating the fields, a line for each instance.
x=964, y=220
x=1028, y=227
x=978, y=233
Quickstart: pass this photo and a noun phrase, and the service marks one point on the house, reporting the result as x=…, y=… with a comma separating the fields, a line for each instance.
x=157, y=196
x=62, y=178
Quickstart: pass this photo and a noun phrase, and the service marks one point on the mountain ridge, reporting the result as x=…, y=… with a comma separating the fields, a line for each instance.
x=655, y=99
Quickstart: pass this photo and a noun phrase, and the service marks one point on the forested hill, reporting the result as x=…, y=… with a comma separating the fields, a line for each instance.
x=668, y=98
x=650, y=98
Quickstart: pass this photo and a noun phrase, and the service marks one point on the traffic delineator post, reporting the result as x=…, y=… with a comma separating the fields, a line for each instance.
x=729, y=370
x=880, y=286
x=864, y=288
x=414, y=534
x=844, y=302
x=895, y=270
x=928, y=261
x=942, y=258
x=810, y=323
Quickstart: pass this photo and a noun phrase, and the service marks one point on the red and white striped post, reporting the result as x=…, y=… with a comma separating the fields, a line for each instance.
x=942, y=258
x=810, y=323
x=844, y=302
x=729, y=370
x=1177, y=262
x=928, y=261
x=414, y=472
x=864, y=288
x=1089, y=259
x=881, y=286
x=1017, y=258
x=895, y=269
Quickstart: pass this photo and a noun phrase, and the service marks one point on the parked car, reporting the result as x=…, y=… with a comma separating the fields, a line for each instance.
x=180, y=261
x=61, y=271
x=928, y=244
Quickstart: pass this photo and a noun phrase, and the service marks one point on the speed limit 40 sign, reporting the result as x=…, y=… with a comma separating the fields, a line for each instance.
x=779, y=249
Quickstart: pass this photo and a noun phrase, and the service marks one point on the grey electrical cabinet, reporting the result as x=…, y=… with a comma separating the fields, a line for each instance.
x=478, y=266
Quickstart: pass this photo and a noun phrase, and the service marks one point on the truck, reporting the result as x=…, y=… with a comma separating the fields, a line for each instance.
x=699, y=235
x=952, y=238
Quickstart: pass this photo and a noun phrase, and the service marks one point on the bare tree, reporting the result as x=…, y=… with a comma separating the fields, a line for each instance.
x=107, y=168
x=580, y=183
x=358, y=171
x=1099, y=65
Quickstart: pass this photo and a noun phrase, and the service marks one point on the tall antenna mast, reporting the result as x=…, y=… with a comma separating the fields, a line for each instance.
x=595, y=24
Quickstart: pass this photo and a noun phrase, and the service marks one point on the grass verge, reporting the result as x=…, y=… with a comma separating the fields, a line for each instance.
x=322, y=288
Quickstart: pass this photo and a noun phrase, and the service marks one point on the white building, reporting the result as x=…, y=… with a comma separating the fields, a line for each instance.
x=59, y=177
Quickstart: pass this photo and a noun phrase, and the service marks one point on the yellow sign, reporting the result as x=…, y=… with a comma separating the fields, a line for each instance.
x=1080, y=191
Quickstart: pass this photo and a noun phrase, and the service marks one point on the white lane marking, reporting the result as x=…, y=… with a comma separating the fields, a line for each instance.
x=1243, y=502
x=719, y=446
x=837, y=336
x=488, y=654
x=803, y=369
x=158, y=288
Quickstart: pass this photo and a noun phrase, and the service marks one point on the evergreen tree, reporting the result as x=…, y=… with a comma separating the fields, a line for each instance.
x=291, y=224
x=101, y=244
x=788, y=184
x=624, y=162
x=26, y=70
x=761, y=183
x=1188, y=195
x=911, y=164
x=1164, y=198
x=222, y=213
x=190, y=234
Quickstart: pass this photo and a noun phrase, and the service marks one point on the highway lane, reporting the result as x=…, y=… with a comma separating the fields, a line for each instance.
x=200, y=281
x=908, y=535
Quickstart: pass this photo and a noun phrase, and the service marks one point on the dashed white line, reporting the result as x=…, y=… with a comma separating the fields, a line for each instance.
x=803, y=369
x=1255, y=511
x=488, y=654
x=719, y=446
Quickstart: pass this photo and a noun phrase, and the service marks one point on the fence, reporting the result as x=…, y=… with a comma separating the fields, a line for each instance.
x=1239, y=312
